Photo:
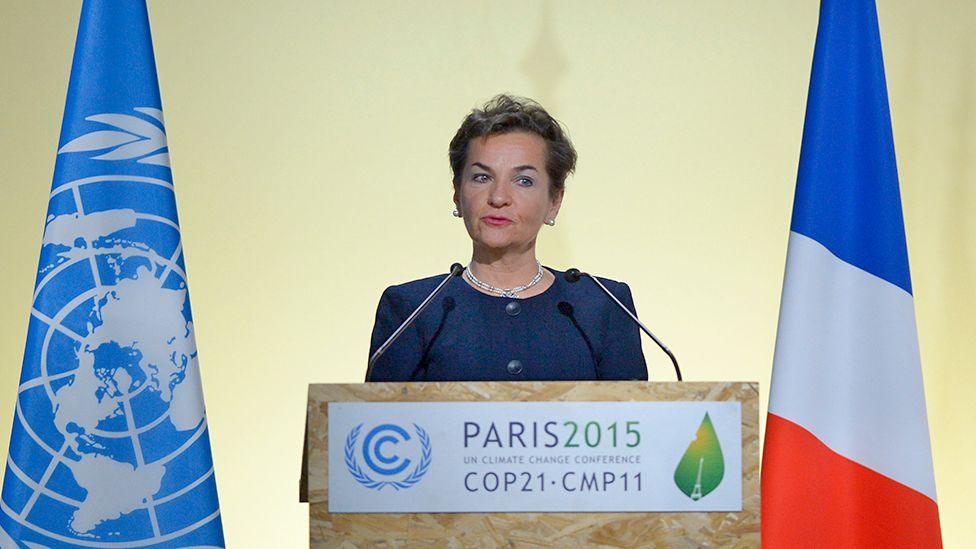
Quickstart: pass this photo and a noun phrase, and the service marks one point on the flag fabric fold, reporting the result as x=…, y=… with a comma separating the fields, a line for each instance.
x=847, y=459
x=110, y=446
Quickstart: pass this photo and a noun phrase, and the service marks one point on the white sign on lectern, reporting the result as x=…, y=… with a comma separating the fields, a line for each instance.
x=482, y=457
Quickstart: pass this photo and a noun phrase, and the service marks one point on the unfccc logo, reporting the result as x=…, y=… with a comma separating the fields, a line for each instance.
x=382, y=451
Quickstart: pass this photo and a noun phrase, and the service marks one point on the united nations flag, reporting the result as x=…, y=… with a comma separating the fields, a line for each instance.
x=109, y=445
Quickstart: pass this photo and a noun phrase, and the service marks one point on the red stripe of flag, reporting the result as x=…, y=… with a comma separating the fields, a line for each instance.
x=822, y=499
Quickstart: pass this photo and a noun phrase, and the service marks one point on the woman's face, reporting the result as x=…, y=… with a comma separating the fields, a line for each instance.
x=503, y=196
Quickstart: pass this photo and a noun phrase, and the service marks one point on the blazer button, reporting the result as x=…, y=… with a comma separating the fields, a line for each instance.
x=513, y=308
x=515, y=367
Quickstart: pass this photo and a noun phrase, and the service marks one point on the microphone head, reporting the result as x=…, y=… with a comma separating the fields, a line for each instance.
x=456, y=269
x=573, y=275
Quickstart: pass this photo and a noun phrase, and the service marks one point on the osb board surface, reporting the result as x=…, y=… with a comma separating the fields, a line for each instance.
x=531, y=529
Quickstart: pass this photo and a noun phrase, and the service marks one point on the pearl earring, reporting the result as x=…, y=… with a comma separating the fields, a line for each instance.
x=551, y=222
x=456, y=213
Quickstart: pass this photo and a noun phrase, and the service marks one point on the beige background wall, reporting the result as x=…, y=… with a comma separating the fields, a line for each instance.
x=309, y=149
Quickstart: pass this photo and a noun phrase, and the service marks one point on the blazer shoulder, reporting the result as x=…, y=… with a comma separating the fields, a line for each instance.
x=414, y=290
x=620, y=289
x=612, y=284
x=588, y=290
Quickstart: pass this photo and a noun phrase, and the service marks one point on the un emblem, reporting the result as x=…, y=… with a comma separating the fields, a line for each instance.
x=110, y=445
x=379, y=451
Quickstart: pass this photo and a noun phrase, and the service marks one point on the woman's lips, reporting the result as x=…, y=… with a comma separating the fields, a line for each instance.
x=496, y=220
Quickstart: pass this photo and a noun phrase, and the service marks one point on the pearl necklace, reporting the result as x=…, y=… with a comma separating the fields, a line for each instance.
x=504, y=292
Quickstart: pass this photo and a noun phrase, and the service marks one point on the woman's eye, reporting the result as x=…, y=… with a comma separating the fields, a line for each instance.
x=480, y=177
x=525, y=182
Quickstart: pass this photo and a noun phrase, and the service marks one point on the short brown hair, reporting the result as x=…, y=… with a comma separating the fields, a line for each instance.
x=506, y=114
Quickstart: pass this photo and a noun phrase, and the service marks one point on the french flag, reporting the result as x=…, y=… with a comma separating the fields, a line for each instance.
x=847, y=460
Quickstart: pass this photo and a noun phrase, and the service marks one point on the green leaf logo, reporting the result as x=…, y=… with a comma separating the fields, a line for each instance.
x=702, y=467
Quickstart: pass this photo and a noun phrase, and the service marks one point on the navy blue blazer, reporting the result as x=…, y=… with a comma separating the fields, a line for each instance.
x=572, y=331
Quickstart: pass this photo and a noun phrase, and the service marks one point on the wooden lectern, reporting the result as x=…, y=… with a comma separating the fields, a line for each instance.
x=631, y=529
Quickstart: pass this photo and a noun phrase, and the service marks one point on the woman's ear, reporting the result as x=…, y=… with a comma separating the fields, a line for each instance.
x=557, y=202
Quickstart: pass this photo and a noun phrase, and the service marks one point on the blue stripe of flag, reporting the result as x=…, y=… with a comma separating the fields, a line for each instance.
x=847, y=195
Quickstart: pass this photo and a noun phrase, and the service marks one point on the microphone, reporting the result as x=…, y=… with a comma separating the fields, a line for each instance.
x=456, y=270
x=566, y=310
x=573, y=275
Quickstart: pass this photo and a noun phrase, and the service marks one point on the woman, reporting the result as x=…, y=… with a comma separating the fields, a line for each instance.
x=508, y=317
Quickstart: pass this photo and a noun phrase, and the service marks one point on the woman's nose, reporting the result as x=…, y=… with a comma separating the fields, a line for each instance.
x=500, y=195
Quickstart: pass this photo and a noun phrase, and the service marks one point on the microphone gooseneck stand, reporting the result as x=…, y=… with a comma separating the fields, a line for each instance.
x=456, y=270
x=573, y=275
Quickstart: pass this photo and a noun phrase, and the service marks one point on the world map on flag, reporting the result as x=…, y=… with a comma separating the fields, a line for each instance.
x=110, y=412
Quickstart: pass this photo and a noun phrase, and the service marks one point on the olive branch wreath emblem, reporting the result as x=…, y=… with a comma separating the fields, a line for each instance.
x=362, y=478
x=130, y=137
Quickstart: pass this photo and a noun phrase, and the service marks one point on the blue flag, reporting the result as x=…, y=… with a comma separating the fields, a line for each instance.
x=109, y=446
